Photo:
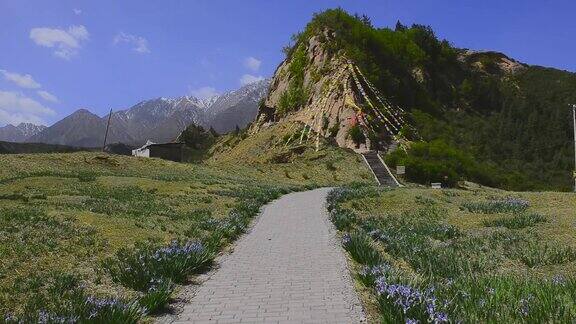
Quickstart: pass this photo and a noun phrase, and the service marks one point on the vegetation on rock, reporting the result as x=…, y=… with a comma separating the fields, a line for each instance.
x=511, y=125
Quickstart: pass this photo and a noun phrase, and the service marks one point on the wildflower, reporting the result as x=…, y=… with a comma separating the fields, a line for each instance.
x=43, y=317
x=374, y=233
x=384, y=238
x=346, y=239
x=558, y=280
x=524, y=307
x=430, y=309
x=412, y=321
x=9, y=318
x=441, y=318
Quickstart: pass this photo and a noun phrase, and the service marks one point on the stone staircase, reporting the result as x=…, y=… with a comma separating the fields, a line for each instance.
x=380, y=170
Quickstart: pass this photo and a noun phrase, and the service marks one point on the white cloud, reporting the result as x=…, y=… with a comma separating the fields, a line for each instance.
x=252, y=63
x=204, y=92
x=77, y=11
x=22, y=80
x=249, y=78
x=47, y=96
x=140, y=44
x=16, y=108
x=66, y=43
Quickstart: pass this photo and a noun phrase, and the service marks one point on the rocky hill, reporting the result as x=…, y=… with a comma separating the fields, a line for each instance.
x=159, y=120
x=456, y=113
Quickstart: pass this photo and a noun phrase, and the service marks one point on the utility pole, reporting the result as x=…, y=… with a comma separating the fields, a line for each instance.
x=107, y=127
x=574, y=116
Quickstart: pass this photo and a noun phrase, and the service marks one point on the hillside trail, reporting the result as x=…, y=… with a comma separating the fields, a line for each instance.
x=289, y=268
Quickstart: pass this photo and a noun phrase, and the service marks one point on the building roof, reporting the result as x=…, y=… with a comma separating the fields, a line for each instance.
x=149, y=143
x=177, y=144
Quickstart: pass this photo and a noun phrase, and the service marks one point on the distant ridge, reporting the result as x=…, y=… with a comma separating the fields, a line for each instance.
x=20, y=132
x=159, y=120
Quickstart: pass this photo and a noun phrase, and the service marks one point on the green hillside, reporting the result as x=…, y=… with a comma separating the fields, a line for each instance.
x=79, y=230
x=481, y=116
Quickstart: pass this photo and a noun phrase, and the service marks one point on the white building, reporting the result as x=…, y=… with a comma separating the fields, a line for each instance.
x=143, y=151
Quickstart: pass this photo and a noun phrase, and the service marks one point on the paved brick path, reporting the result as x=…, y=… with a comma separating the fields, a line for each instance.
x=288, y=269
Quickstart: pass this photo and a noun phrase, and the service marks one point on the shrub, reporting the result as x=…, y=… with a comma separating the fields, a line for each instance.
x=356, y=135
x=296, y=95
x=437, y=161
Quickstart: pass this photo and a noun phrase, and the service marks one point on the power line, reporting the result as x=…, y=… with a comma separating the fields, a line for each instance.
x=106, y=134
x=574, y=116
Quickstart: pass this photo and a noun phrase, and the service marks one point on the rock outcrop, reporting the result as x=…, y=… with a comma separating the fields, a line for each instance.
x=338, y=100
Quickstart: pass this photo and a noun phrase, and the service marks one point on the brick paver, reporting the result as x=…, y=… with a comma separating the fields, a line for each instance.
x=288, y=269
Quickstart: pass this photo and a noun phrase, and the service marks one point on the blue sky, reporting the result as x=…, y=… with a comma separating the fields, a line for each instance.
x=59, y=56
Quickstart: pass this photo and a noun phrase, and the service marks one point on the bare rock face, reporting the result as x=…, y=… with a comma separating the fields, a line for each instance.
x=331, y=106
x=491, y=62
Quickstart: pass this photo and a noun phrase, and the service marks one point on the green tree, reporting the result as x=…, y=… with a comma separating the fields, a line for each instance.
x=196, y=137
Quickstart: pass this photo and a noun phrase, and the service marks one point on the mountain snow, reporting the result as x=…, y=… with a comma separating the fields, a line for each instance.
x=20, y=132
x=160, y=119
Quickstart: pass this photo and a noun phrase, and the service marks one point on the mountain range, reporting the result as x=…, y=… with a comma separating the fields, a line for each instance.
x=20, y=132
x=158, y=120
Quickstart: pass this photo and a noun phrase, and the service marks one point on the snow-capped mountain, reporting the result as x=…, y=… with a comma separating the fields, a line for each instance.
x=19, y=133
x=238, y=108
x=251, y=93
x=159, y=120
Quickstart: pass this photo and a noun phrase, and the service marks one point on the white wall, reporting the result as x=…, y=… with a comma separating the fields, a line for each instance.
x=141, y=152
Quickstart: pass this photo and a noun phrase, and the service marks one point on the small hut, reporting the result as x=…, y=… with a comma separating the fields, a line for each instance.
x=168, y=151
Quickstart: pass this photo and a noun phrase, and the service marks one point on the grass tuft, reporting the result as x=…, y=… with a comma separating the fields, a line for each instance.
x=361, y=248
x=517, y=221
x=495, y=206
x=145, y=265
x=157, y=296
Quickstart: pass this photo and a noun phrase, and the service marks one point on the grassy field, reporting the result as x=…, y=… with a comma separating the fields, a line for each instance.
x=480, y=255
x=102, y=238
x=99, y=238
